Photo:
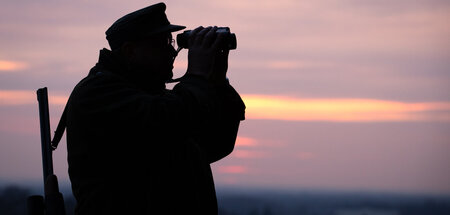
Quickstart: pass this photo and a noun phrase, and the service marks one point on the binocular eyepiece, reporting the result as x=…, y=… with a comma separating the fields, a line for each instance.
x=229, y=42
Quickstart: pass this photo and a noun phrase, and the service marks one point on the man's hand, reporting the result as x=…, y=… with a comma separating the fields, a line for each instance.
x=205, y=58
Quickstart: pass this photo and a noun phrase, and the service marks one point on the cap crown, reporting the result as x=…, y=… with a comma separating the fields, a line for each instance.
x=141, y=23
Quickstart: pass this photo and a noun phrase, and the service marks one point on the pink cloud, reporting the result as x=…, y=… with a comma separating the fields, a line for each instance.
x=26, y=97
x=248, y=154
x=305, y=155
x=234, y=169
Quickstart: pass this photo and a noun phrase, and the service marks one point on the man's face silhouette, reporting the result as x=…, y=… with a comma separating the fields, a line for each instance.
x=153, y=56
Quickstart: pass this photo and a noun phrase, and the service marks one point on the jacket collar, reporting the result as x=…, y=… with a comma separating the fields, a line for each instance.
x=113, y=63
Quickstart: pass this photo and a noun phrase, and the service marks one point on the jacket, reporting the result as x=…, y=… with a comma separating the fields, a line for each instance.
x=142, y=149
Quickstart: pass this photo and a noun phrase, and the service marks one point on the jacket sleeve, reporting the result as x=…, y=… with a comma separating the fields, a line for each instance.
x=224, y=111
x=117, y=133
x=209, y=115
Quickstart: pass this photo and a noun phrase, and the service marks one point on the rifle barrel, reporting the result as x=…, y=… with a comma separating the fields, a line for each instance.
x=44, y=116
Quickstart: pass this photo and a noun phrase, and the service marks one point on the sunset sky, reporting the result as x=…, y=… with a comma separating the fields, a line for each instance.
x=340, y=94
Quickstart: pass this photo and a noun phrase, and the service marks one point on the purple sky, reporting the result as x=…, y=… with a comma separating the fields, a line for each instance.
x=367, y=84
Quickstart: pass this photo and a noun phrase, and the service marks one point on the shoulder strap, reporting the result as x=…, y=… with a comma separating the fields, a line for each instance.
x=63, y=121
x=60, y=129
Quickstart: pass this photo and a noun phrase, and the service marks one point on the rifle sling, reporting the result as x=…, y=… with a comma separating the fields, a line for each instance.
x=60, y=129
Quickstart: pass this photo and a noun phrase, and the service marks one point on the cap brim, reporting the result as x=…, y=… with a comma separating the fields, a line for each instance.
x=166, y=29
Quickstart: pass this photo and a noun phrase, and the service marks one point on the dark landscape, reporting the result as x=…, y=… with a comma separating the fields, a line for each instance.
x=235, y=201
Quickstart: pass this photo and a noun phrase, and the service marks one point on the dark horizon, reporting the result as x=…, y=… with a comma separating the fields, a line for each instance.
x=265, y=202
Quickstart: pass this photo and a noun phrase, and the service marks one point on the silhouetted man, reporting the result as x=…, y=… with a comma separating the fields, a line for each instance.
x=135, y=147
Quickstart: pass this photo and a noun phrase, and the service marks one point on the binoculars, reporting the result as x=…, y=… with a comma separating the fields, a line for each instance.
x=229, y=42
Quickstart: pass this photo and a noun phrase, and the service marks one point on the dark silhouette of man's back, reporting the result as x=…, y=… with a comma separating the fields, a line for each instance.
x=135, y=147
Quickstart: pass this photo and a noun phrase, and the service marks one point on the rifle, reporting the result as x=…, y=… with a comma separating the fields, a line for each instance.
x=53, y=204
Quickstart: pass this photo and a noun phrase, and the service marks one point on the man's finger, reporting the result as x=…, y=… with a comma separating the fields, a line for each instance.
x=193, y=34
x=225, y=53
x=210, y=36
x=200, y=35
x=219, y=41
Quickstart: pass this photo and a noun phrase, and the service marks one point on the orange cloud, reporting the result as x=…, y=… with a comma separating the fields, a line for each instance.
x=245, y=141
x=10, y=66
x=295, y=109
x=26, y=97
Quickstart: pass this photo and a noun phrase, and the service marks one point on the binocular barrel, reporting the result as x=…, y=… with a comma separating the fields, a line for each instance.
x=230, y=41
